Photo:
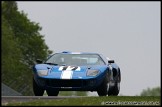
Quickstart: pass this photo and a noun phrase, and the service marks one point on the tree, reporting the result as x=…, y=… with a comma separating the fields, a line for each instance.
x=31, y=41
x=151, y=92
x=22, y=44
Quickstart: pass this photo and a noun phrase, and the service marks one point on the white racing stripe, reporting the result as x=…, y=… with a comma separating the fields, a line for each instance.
x=67, y=71
x=67, y=74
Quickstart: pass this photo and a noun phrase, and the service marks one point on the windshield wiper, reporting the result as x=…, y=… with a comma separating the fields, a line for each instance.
x=51, y=63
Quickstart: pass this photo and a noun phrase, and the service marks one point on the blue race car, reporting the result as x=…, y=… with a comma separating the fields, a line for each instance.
x=74, y=71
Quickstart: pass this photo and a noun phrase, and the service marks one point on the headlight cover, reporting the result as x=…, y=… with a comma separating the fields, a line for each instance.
x=42, y=72
x=92, y=72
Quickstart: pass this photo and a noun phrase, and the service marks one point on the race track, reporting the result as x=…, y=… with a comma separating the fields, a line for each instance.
x=7, y=99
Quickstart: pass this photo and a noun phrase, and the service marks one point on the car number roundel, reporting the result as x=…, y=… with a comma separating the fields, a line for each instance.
x=69, y=68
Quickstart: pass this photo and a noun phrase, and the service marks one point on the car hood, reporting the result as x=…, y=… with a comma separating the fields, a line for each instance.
x=69, y=72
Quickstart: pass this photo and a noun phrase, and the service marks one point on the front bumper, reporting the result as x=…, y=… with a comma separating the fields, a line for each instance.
x=69, y=84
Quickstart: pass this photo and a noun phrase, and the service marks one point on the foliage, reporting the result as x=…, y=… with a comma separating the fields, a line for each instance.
x=22, y=44
x=151, y=92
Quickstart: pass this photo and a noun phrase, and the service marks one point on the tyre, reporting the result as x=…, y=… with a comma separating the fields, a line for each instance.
x=38, y=91
x=51, y=92
x=114, y=87
x=114, y=90
x=104, y=87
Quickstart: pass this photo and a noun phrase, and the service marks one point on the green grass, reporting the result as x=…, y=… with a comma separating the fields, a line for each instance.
x=97, y=101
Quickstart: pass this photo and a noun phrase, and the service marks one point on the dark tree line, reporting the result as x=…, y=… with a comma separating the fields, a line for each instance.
x=21, y=45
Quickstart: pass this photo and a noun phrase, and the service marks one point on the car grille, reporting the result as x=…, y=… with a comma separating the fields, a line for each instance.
x=65, y=83
x=70, y=83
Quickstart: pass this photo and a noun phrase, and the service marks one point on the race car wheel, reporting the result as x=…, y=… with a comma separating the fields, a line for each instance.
x=104, y=87
x=38, y=91
x=51, y=92
x=114, y=90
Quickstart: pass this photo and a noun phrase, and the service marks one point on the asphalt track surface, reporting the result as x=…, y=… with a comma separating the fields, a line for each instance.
x=7, y=99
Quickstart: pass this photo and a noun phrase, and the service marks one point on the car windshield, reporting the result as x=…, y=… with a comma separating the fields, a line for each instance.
x=75, y=59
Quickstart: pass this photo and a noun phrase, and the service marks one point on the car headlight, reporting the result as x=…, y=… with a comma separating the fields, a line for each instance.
x=92, y=72
x=42, y=72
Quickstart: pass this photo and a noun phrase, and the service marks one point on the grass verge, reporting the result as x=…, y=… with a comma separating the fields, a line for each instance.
x=96, y=101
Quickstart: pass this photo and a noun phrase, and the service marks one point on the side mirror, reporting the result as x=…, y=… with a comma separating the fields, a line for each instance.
x=39, y=61
x=111, y=61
